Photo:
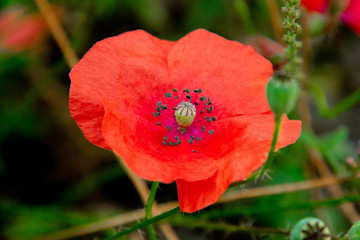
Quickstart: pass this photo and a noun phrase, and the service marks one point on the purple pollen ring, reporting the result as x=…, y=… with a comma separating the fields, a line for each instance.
x=185, y=113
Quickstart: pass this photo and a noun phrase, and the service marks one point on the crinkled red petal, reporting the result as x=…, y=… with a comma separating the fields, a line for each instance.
x=114, y=68
x=250, y=146
x=234, y=74
x=319, y=6
x=351, y=16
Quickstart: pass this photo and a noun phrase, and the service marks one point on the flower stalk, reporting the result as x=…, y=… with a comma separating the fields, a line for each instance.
x=282, y=89
x=149, y=204
x=144, y=223
x=271, y=154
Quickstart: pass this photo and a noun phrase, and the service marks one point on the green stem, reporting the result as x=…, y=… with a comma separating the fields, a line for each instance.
x=149, y=204
x=271, y=154
x=340, y=107
x=145, y=223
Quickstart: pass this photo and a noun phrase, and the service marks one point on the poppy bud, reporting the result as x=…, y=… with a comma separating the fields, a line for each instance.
x=354, y=232
x=282, y=92
x=310, y=228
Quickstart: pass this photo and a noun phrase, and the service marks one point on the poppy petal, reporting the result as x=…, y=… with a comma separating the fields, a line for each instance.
x=319, y=6
x=231, y=72
x=351, y=16
x=107, y=70
x=252, y=146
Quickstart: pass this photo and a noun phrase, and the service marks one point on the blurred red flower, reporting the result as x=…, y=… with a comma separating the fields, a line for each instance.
x=19, y=31
x=126, y=89
x=270, y=49
x=350, y=15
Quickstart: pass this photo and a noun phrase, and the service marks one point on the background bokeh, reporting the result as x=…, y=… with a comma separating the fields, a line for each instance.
x=52, y=178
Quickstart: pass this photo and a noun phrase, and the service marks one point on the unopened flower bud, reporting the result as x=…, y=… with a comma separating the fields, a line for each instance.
x=282, y=93
x=310, y=228
x=354, y=232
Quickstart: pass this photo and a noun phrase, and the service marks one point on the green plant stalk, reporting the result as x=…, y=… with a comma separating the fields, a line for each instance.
x=245, y=15
x=232, y=211
x=145, y=223
x=149, y=204
x=271, y=154
x=192, y=222
x=340, y=107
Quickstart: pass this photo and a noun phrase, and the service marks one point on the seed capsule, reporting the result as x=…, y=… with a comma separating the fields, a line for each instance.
x=185, y=114
x=310, y=229
x=282, y=93
x=354, y=232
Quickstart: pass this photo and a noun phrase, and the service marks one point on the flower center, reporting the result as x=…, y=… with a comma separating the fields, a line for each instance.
x=189, y=121
x=185, y=113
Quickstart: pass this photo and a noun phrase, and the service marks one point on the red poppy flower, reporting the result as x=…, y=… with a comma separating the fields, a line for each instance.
x=126, y=91
x=350, y=16
x=316, y=5
x=19, y=31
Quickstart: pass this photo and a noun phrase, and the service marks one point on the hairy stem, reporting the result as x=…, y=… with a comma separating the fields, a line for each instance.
x=145, y=223
x=271, y=154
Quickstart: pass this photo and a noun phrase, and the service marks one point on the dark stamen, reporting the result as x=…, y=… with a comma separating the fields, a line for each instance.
x=168, y=128
x=165, y=138
x=174, y=89
x=198, y=139
x=199, y=90
x=191, y=141
x=214, y=118
x=158, y=123
x=210, y=109
x=164, y=143
x=164, y=107
x=211, y=132
x=174, y=108
x=195, y=151
x=168, y=94
x=158, y=109
x=156, y=114
x=202, y=98
x=176, y=98
x=183, y=131
x=203, y=128
x=158, y=104
x=186, y=90
x=208, y=120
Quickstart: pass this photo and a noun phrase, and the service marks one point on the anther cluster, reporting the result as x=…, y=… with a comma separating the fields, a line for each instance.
x=187, y=119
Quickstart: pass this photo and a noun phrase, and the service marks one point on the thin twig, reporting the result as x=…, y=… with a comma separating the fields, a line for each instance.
x=281, y=188
x=119, y=220
x=276, y=20
x=235, y=195
x=57, y=32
